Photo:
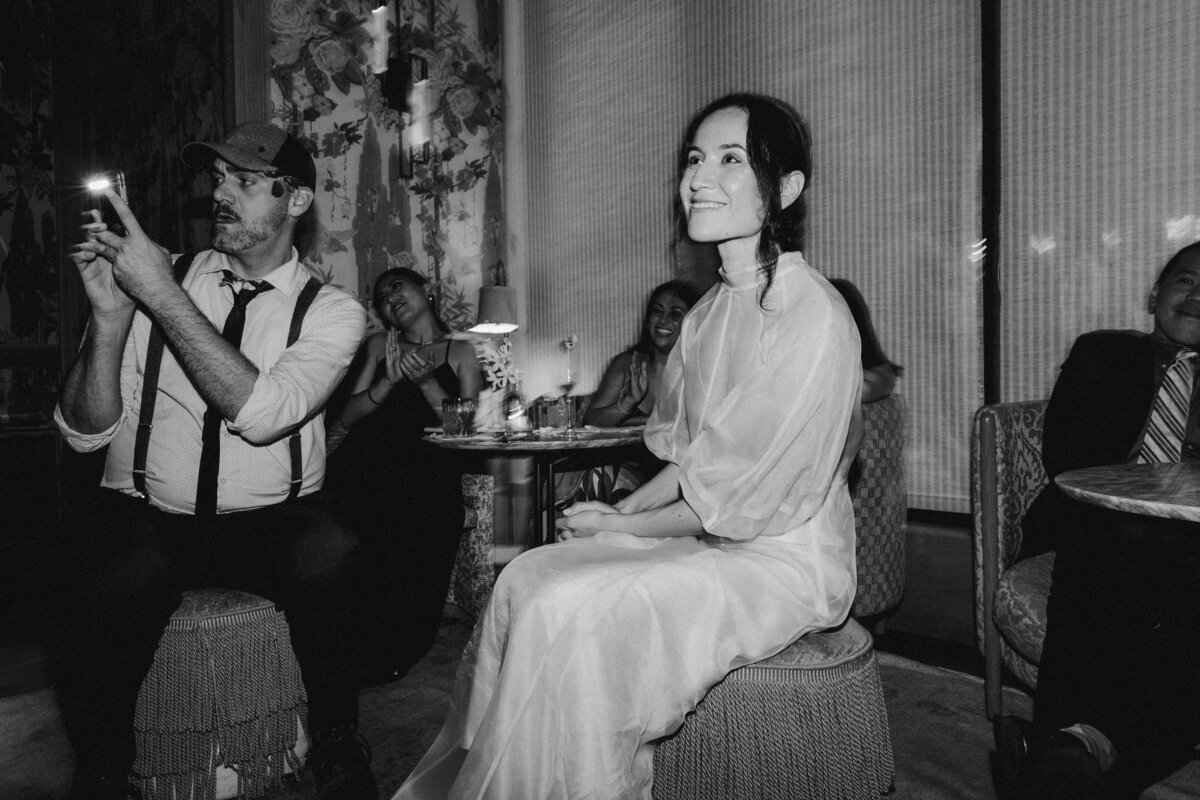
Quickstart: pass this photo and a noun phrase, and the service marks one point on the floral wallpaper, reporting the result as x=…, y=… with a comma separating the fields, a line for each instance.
x=382, y=200
x=29, y=290
x=28, y=248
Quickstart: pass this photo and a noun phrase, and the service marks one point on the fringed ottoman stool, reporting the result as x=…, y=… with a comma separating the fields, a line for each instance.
x=806, y=724
x=221, y=711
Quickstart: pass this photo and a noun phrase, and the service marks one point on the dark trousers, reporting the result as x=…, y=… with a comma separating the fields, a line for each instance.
x=1122, y=647
x=124, y=572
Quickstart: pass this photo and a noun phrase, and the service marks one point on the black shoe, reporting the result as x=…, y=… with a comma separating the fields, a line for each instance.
x=1067, y=772
x=341, y=764
x=1013, y=756
x=92, y=786
x=1034, y=764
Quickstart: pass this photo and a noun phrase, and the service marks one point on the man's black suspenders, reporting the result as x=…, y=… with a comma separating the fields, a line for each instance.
x=307, y=295
x=154, y=350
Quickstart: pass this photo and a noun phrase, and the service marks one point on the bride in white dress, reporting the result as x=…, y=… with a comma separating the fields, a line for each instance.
x=593, y=648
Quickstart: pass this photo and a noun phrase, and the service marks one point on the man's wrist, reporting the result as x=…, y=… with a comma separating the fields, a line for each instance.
x=112, y=318
x=154, y=296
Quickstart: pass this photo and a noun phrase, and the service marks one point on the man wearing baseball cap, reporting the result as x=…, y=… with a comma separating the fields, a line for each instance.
x=206, y=379
x=258, y=147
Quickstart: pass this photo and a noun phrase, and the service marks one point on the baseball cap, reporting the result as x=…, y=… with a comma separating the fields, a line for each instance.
x=260, y=147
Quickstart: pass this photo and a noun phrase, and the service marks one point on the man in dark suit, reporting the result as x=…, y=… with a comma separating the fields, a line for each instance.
x=1118, y=695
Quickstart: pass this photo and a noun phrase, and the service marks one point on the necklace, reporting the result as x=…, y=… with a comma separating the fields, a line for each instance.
x=423, y=342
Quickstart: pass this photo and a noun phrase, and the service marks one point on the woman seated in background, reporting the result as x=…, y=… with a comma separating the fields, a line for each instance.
x=630, y=384
x=402, y=496
x=879, y=374
x=592, y=649
x=627, y=392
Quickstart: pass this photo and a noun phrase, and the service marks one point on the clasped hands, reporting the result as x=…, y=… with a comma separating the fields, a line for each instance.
x=400, y=364
x=586, y=519
x=118, y=270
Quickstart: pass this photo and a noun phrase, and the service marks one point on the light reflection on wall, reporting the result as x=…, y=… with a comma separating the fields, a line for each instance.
x=1042, y=244
x=1183, y=230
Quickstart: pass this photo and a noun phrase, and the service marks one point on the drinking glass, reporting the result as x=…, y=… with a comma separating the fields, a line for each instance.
x=556, y=412
x=458, y=416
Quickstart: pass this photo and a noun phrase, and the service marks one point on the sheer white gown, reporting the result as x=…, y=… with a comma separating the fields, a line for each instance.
x=592, y=649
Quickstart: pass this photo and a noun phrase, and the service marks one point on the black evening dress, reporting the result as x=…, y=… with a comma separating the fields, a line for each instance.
x=403, y=496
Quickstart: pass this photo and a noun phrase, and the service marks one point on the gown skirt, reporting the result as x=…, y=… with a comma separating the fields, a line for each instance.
x=591, y=650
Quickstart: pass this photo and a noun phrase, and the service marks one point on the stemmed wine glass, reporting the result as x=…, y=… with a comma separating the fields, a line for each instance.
x=569, y=384
x=566, y=387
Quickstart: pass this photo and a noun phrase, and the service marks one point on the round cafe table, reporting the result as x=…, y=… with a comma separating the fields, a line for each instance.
x=1157, y=490
x=550, y=448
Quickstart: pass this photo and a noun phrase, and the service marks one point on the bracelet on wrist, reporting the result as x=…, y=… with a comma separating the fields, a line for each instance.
x=369, y=397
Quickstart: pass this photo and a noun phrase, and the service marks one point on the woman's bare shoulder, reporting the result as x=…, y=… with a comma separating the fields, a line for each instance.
x=622, y=359
x=375, y=343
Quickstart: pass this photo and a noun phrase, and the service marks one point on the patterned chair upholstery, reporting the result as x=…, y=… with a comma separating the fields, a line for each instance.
x=1010, y=596
x=475, y=565
x=880, y=505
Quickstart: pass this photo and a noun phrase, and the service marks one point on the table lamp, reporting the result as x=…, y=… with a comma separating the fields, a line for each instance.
x=497, y=310
x=497, y=318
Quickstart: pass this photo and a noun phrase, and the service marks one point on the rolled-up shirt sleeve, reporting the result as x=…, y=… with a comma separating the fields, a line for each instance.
x=90, y=442
x=300, y=382
x=84, y=442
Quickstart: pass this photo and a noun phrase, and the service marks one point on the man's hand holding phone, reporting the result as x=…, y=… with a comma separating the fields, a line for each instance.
x=103, y=291
x=140, y=266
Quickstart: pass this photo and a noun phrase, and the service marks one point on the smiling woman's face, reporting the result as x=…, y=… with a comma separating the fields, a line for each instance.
x=718, y=188
x=664, y=317
x=1177, y=304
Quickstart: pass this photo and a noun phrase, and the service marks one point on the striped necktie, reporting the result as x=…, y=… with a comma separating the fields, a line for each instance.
x=1163, y=441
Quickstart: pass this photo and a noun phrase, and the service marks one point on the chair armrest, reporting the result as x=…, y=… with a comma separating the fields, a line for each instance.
x=1006, y=474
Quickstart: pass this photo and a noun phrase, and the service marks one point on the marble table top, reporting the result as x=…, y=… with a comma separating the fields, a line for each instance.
x=1158, y=490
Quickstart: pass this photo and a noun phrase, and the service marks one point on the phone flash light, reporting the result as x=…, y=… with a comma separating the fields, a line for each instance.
x=98, y=184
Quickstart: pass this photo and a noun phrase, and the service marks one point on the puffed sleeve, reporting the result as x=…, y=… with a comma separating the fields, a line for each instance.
x=756, y=404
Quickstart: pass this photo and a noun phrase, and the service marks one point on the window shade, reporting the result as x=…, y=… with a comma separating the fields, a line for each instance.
x=890, y=89
x=1101, y=174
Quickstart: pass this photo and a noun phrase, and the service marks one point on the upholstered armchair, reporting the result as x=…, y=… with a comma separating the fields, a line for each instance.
x=880, y=505
x=1010, y=595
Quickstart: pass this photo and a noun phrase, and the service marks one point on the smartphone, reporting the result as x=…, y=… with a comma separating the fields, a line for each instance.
x=96, y=186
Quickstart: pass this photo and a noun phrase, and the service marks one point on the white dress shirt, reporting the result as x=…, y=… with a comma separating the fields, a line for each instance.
x=292, y=387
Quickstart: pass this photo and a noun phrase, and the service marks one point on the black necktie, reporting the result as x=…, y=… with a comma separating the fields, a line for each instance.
x=210, y=453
